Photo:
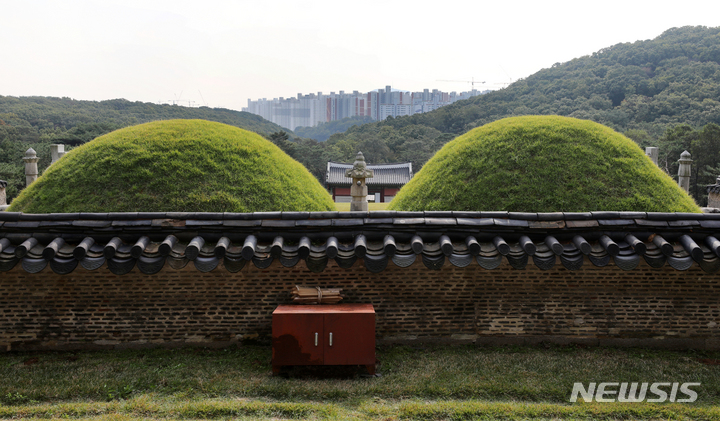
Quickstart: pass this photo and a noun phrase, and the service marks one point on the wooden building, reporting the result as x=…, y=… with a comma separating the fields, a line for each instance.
x=382, y=187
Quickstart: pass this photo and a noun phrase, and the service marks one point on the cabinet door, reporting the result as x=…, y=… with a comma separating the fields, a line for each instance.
x=294, y=339
x=353, y=339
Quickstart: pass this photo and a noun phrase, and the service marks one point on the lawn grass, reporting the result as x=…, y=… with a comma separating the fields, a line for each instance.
x=175, y=165
x=542, y=164
x=429, y=382
x=345, y=207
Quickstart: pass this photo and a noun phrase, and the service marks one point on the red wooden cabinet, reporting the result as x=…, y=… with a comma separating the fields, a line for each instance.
x=342, y=334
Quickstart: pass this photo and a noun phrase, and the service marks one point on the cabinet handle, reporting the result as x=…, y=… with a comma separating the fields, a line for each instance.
x=330, y=338
x=316, y=338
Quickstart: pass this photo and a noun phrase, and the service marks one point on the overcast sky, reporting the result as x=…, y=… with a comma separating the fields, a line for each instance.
x=222, y=53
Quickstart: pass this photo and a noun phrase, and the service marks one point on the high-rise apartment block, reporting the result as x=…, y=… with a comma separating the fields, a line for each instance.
x=309, y=110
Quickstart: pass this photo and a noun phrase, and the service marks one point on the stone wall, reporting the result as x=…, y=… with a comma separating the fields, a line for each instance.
x=597, y=306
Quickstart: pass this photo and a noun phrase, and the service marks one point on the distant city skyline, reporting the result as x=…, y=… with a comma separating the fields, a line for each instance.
x=309, y=110
x=221, y=53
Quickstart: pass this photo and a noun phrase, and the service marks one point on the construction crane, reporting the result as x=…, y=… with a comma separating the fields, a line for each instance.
x=471, y=82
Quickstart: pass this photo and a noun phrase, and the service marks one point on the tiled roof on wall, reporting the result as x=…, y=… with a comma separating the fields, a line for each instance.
x=384, y=174
x=152, y=240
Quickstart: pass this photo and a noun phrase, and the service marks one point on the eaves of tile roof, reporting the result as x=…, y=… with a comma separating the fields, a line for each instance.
x=391, y=175
x=152, y=240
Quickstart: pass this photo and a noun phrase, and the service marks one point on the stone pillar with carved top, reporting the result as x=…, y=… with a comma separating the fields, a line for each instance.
x=684, y=171
x=359, y=190
x=31, y=168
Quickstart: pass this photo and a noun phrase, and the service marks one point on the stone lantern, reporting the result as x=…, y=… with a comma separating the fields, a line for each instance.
x=684, y=171
x=358, y=189
x=31, y=169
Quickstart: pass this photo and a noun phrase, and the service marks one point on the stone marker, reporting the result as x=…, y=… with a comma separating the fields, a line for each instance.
x=56, y=151
x=31, y=170
x=714, y=194
x=684, y=171
x=653, y=153
x=358, y=189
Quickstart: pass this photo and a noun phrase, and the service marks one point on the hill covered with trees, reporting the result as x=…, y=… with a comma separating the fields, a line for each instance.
x=323, y=131
x=662, y=92
x=643, y=89
x=38, y=122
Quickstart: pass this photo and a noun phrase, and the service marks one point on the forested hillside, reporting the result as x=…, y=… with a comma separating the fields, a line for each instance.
x=663, y=92
x=323, y=131
x=38, y=122
x=643, y=89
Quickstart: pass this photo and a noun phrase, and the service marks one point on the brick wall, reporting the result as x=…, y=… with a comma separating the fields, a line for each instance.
x=91, y=309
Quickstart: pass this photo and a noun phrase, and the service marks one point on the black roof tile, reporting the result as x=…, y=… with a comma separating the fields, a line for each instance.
x=347, y=222
x=649, y=223
x=510, y=222
x=134, y=223
x=63, y=216
x=56, y=223
x=93, y=224
x=551, y=216
x=527, y=216
x=158, y=215
x=577, y=216
x=242, y=223
x=408, y=221
x=476, y=222
x=581, y=223
x=267, y=215
x=203, y=222
x=616, y=222
x=710, y=223
x=439, y=214
x=313, y=223
x=440, y=221
x=382, y=214
x=295, y=215
x=605, y=215
x=375, y=226
x=372, y=221
x=494, y=214
x=633, y=215
x=10, y=216
x=279, y=223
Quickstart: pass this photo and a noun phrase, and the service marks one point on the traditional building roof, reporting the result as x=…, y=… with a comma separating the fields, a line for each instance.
x=384, y=174
x=150, y=240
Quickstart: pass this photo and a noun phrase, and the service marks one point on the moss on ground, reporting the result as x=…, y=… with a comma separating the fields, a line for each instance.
x=542, y=164
x=175, y=165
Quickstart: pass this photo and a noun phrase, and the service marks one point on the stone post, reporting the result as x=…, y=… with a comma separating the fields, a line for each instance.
x=31, y=170
x=358, y=190
x=684, y=171
x=56, y=151
x=3, y=195
x=714, y=194
x=653, y=153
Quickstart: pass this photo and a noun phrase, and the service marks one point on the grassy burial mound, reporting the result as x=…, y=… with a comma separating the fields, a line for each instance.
x=175, y=165
x=542, y=164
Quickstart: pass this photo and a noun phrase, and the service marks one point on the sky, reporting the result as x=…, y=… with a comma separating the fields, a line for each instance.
x=222, y=53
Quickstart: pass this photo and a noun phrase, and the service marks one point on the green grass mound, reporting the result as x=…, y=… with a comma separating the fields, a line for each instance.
x=542, y=164
x=175, y=165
